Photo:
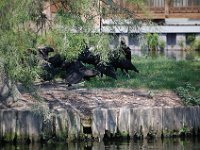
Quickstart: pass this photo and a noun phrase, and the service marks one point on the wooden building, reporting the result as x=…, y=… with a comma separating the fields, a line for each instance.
x=174, y=20
x=160, y=9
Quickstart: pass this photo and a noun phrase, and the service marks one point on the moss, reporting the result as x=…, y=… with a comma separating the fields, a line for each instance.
x=71, y=137
x=51, y=141
x=9, y=137
x=170, y=133
x=61, y=137
x=151, y=134
x=123, y=134
x=138, y=135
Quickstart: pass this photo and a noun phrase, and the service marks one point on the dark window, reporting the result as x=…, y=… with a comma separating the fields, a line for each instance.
x=171, y=39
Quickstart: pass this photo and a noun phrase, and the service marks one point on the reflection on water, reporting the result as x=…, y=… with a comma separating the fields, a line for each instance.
x=166, y=144
x=172, y=54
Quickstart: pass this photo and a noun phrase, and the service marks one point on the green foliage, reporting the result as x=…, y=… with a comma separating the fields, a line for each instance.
x=187, y=94
x=152, y=41
x=162, y=44
x=19, y=64
x=21, y=26
x=181, y=44
x=17, y=41
x=70, y=45
x=190, y=56
x=191, y=39
x=196, y=45
x=183, y=130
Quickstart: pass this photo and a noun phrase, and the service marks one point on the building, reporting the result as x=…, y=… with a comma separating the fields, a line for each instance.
x=175, y=21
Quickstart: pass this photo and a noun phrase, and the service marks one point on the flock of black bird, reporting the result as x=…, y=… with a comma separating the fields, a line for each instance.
x=77, y=71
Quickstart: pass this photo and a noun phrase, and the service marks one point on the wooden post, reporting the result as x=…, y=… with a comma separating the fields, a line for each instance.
x=100, y=16
x=167, y=6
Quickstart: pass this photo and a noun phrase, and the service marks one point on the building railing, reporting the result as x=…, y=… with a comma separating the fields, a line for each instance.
x=159, y=9
x=156, y=9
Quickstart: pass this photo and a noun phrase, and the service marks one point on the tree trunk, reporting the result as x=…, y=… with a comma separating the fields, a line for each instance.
x=8, y=89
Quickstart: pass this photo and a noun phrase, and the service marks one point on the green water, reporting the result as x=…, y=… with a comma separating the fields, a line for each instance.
x=166, y=144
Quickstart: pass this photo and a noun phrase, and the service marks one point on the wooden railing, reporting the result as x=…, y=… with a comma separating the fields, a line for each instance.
x=157, y=9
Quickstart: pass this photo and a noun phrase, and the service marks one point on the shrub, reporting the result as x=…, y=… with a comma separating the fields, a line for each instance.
x=185, y=93
x=196, y=45
x=152, y=41
x=162, y=44
x=181, y=44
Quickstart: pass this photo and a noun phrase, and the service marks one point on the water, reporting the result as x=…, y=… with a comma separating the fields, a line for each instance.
x=156, y=144
x=172, y=54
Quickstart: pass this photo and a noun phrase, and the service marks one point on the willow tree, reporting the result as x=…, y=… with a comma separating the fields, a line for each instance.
x=22, y=23
x=79, y=22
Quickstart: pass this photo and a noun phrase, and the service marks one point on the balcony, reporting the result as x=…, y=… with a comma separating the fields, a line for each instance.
x=156, y=9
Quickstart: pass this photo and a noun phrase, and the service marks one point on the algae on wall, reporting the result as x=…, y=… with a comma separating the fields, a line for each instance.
x=147, y=121
x=26, y=126
x=65, y=123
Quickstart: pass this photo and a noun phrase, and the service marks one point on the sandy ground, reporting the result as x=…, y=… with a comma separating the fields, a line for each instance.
x=84, y=100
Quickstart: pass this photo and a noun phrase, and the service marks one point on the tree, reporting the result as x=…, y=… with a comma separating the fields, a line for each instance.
x=17, y=37
x=22, y=23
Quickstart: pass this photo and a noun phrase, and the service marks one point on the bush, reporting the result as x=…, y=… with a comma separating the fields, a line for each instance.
x=196, y=45
x=181, y=44
x=152, y=41
x=185, y=93
x=190, y=39
x=162, y=44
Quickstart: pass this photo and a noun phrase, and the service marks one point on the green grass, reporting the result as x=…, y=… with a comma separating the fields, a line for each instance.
x=156, y=74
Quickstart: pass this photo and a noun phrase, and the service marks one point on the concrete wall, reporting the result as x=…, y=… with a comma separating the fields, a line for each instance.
x=66, y=124
x=178, y=42
x=145, y=122
x=29, y=126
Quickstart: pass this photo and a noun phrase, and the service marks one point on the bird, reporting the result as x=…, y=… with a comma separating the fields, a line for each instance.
x=44, y=51
x=126, y=50
x=106, y=69
x=48, y=72
x=73, y=77
x=88, y=73
x=126, y=65
x=121, y=58
x=56, y=61
x=77, y=72
x=72, y=73
x=88, y=57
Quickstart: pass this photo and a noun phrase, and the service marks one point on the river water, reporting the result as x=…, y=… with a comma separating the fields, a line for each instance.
x=155, y=144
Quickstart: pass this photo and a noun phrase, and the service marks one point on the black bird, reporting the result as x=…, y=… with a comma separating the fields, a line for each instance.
x=121, y=58
x=56, y=61
x=89, y=57
x=126, y=50
x=88, y=73
x=77, y=72
x=48, y=72
x=73, y=74
x=44, y=51
x=124, y=65
x=106, y=69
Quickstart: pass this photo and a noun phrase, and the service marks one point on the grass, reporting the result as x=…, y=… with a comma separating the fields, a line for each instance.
x=158, y=74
